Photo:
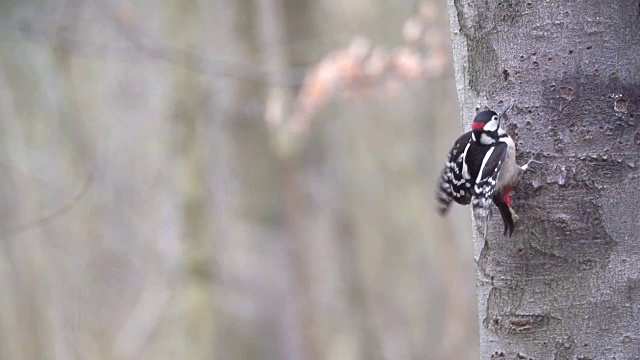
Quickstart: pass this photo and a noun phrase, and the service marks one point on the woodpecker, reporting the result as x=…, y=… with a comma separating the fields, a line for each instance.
x=481, y=168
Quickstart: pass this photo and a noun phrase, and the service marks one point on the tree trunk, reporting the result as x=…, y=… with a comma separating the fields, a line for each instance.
x=567, y=284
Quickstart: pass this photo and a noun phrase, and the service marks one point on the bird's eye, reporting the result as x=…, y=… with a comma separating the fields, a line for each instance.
x=492, y=125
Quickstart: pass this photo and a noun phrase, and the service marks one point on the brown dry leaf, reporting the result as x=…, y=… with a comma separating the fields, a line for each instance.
x=428, y=11
x=319, y=84
x=392, y=87
x=347, y=67
x=125, y=15
x=412, y=30
x=408, y=64
x=359, y=70
x=436, y=64
x=377, y=63
x=359, y=48
x=433, y=39
x=349, y=61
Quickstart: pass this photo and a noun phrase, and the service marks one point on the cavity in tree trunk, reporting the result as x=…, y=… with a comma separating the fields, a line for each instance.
x=567, y=284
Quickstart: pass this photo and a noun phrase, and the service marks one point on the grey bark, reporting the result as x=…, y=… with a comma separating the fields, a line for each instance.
x=566, y=286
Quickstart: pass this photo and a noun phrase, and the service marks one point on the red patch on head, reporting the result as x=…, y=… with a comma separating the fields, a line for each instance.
x=478, y=126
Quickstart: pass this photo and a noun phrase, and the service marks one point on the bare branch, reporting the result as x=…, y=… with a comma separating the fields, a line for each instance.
x=233, y=68
x=49, y=216
x=273, y=33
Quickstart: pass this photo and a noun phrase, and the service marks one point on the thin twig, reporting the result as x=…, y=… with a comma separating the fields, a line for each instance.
x=233, y=68
x=50, y=215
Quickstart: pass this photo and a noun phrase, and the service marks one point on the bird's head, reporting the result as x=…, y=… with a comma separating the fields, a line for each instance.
x=487, y=121
x=486, y=127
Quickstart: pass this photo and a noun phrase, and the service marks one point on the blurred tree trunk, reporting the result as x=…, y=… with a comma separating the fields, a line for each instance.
x=186, y=232
x=567, y=284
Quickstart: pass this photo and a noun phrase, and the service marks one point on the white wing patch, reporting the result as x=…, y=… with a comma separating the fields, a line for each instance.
x=486, y=181
x=465, y=170
x=484, y=189
x=484, y=163
x=454, y=182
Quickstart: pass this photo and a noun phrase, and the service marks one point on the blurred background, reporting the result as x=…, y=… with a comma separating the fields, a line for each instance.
x=229, y=179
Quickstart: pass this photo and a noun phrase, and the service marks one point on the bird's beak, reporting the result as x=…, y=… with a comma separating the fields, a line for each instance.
x=502, y=114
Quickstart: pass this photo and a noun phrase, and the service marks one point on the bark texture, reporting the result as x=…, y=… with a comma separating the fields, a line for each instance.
x=567, y=284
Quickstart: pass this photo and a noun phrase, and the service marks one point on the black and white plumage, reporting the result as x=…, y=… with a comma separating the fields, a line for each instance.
x=481, y=168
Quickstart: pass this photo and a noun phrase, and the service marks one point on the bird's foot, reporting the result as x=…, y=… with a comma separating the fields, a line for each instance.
x=532, y=160
x=513, y=214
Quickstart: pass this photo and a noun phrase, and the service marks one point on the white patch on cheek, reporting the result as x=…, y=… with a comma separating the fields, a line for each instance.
x=492, y=125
